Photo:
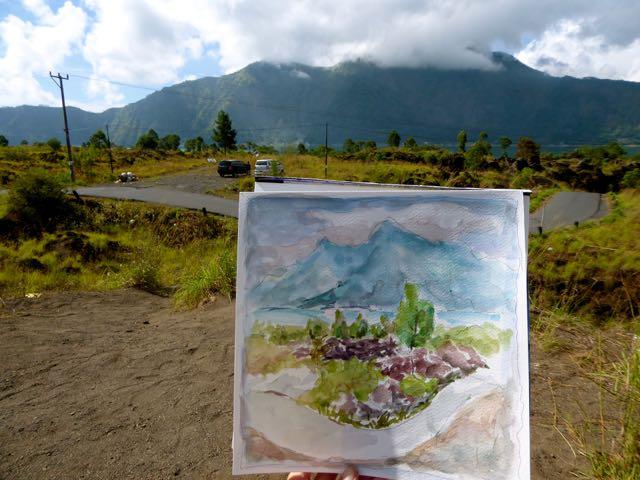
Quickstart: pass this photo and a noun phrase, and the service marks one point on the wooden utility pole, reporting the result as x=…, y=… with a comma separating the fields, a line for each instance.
x=326, y=148
x=66, y=123
x=109, y=147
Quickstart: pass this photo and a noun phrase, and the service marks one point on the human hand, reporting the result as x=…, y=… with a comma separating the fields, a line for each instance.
x=350, y=473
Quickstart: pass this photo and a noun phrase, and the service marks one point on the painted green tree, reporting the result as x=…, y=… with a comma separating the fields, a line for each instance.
x=359, y=328
x=414, y=320
x=339, y=328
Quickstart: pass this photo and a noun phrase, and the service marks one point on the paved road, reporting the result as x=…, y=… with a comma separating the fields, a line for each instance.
x=165, y=196
x=566, y=208
x=563, y=209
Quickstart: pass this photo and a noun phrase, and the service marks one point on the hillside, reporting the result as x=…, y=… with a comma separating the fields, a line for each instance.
x=281, y=104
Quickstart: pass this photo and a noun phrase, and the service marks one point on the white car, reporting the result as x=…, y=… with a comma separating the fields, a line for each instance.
x=267, y=167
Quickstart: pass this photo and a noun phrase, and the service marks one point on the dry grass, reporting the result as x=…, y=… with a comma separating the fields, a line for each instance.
x=91, y=165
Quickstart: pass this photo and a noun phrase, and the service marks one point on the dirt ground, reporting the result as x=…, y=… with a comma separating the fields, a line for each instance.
x=117, y=385
x=199, y=180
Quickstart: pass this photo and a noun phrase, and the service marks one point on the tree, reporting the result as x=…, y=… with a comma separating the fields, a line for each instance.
x=169, y=142
x=98, y=140
x=359, y=328
x=223, y=133
x=370, y=144
x=349, y=146
x=54, y=144
x=394, y=139
x=505, y=143
x=302, y=149
x=4, y=142
x=387, y=324
x=528, y=150
x=194, y=144
x=414, y=320
x=24, y=142
x=410, y=143
x=149, y=140
x=462, y=141
x=316, y=328
x=339, y=328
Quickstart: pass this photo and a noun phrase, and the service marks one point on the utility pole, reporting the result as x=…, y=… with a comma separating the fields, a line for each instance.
x=326, y=147
x=66, y=123
x=109, y=147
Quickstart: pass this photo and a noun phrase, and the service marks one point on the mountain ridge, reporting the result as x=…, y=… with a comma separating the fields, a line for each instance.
x=289, y=103
x=348, y=276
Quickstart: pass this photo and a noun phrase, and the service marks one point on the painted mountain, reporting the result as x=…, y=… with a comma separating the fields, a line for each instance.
x=374, y=273
x=285, y=103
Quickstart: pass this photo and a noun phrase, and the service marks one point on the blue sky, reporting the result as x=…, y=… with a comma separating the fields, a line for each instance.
x=156, y=43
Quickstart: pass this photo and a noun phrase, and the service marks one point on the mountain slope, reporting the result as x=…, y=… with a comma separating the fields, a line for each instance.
x=288, y=103
x=375, y=272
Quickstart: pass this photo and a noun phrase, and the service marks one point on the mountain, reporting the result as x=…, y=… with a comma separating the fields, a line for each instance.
x=375, y=272
x=284, y=103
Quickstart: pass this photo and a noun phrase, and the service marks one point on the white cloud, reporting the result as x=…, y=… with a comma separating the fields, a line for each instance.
x=31, y=49
x=153, y=42
x=137, y=41
x=569, y=48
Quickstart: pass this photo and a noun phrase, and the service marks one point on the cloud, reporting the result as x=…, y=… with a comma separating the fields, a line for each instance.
x=477, y=224
x=155, y=42
x=572, y=48
x=31, y=49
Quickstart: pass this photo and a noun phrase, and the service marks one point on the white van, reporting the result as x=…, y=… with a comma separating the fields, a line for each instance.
x=265, y=167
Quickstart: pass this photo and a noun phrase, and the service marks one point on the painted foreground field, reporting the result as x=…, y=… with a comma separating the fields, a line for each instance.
x=89, y=389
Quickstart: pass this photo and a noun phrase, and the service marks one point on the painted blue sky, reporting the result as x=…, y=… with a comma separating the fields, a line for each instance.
x=155, y=43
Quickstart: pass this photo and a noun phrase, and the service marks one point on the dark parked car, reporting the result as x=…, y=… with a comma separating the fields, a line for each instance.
x=233, y=168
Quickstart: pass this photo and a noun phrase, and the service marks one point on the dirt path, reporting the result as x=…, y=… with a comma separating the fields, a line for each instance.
x=115, y=385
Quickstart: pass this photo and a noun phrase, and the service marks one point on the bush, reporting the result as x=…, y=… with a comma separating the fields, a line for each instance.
x=145, y=271
x=216, y=276
x=631, y=179
x=54, y=144
x=38, y=202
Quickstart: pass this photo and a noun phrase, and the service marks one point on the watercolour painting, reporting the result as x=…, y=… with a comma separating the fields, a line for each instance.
x=386, y=330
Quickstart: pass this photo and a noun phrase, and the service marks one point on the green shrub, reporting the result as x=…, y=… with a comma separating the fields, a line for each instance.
x=39, y=203
x=631, y=179
x=54, y=144
x=216, y=276
x=145, y=271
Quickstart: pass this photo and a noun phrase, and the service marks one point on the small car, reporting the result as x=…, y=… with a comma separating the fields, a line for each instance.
x=233, y=168
x=267, y=167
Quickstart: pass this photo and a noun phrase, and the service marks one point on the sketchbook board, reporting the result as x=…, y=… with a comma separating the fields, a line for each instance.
x=385, y=329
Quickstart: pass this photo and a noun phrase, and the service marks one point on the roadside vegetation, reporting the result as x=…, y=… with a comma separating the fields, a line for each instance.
x=51, y=242
x=92, y=164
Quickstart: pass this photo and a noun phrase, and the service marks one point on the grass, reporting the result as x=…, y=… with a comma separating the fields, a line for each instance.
x=126, y=244
x=584, y=285
x=244, y=184
x=619, y=459
x=593, y=270
x=91, y=165
x=216, y=276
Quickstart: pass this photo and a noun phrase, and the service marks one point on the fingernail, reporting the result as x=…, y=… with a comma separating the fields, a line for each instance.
x=349, y=473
